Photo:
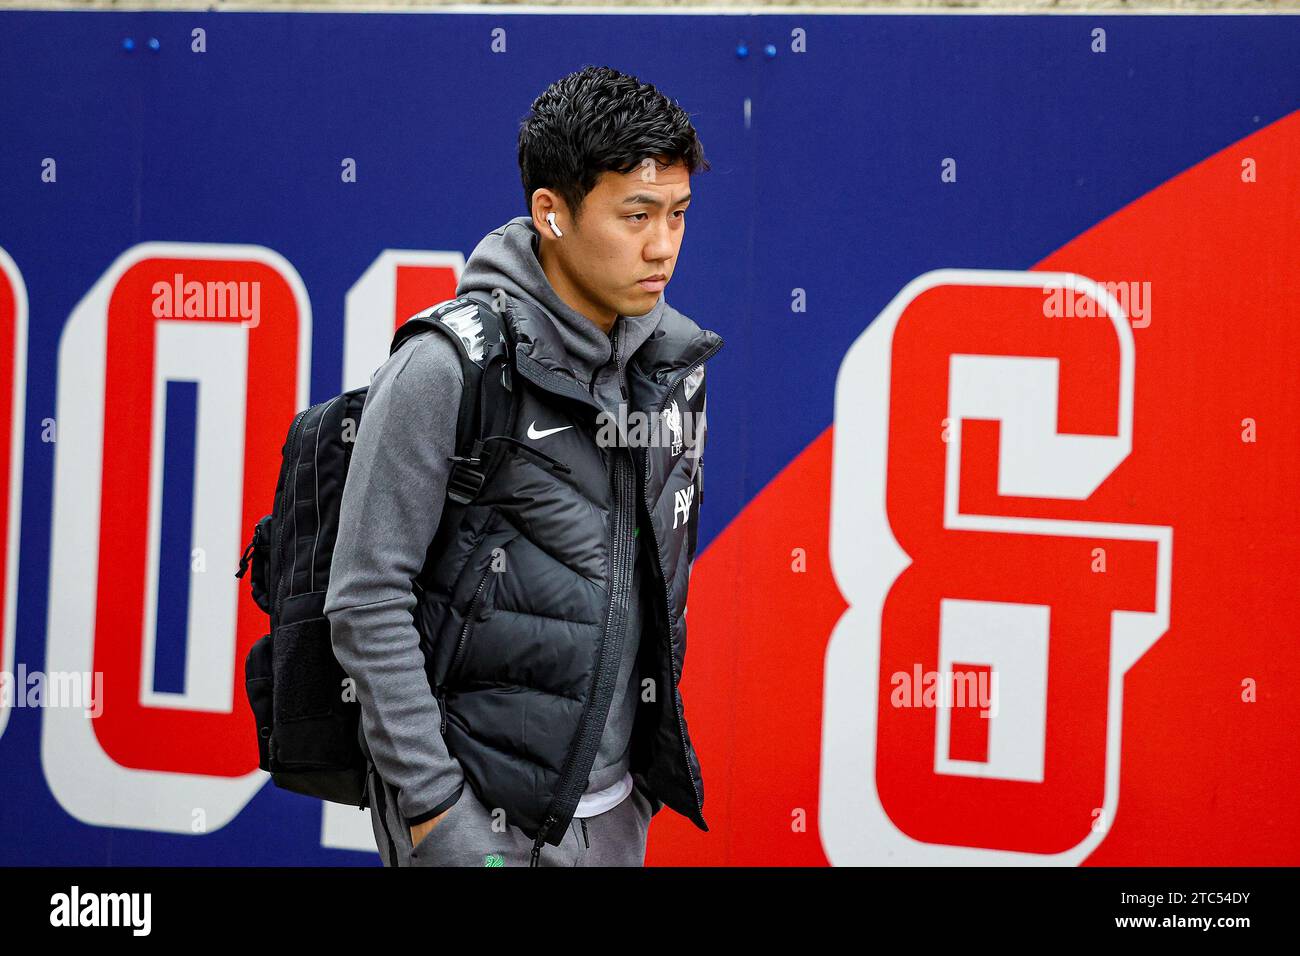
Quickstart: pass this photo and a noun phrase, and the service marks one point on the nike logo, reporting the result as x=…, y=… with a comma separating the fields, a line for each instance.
x=534, y=433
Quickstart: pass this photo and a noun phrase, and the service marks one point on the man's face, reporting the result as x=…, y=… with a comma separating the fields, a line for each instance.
x=631, y=229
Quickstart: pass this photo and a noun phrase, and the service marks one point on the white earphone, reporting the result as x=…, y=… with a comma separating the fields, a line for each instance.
x=550, y=218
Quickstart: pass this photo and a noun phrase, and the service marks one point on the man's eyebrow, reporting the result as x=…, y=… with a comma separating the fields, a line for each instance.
x=646, y=199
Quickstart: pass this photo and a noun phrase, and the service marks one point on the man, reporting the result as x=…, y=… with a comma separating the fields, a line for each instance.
x=552, y=722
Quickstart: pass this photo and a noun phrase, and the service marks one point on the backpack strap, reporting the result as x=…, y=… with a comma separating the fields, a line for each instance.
x=483, y=344
x=495, y=390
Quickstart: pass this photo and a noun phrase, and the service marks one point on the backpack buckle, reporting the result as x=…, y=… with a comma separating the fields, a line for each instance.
x=465, y=480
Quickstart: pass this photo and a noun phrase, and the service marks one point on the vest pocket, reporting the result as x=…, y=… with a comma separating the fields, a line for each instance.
x=483, y=589
x=462, y=642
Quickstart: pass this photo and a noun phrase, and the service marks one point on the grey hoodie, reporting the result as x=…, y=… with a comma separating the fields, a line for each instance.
x=388, y=517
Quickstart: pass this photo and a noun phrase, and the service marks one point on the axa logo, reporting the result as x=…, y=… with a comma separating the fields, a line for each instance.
x=682, y=501
x=977, y=458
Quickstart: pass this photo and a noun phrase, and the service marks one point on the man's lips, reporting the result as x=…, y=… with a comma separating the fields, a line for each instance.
x=653, y=285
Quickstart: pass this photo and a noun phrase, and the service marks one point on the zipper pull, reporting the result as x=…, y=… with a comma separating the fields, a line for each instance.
x=441, y=696
x=365, y=791
x=541, y=838
x=245, y=557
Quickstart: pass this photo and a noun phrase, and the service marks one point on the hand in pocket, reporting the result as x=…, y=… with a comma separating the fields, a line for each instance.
x=421, y=830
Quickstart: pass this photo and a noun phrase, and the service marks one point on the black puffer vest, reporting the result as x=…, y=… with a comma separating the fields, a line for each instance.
x=523, y=604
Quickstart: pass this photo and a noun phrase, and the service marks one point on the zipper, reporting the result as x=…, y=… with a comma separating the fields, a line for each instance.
x=315, y=464
x=460, y=644
x=381, y=805
x=659, y=561
x=537, y=844
x=618, y=367
x=536, y=453
x=291, y=478
x=580, y=767
x=585, y=841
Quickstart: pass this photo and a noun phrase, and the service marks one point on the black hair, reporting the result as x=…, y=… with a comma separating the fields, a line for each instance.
x=599, y=120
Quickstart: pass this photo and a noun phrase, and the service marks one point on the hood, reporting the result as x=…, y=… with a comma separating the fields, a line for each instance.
x=506, y=259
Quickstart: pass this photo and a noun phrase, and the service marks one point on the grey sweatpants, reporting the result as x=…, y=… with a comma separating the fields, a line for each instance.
x=471, y=835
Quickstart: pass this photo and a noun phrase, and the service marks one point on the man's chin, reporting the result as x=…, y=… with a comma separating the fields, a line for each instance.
x=641, y=303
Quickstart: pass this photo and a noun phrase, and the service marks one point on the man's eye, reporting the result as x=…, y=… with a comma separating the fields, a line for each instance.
x=680, y=214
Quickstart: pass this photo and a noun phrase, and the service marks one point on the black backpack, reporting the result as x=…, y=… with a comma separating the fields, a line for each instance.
x=307, y=726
